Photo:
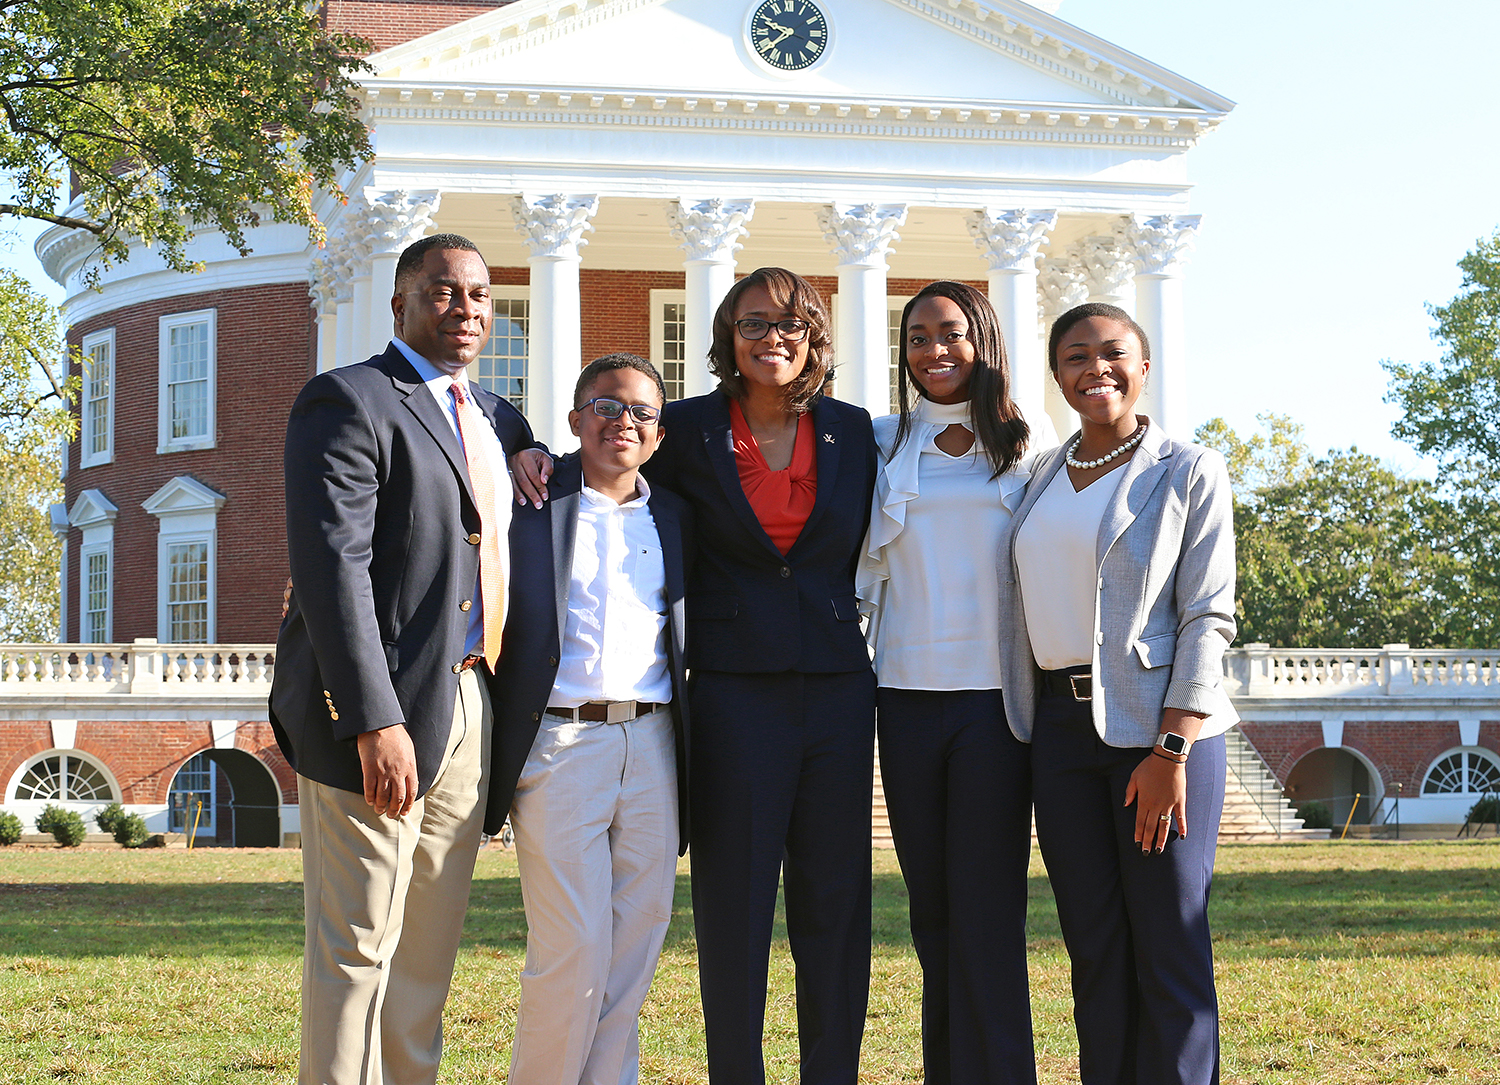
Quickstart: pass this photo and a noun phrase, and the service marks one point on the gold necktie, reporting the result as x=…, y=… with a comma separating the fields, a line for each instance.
x=491, y=583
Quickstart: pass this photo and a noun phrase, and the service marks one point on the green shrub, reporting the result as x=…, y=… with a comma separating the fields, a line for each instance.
x=1485, y=812
x=108, y=817
x=1315, y=815
x=66, y=826
x=130, y=830
x=10, y=828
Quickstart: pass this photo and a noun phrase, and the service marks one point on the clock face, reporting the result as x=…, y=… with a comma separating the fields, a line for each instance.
x=789, y=35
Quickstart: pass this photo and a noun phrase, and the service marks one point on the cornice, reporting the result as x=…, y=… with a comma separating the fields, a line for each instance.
x=936, y=119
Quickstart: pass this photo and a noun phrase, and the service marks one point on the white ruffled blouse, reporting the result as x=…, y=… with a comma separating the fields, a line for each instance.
x=927, y=578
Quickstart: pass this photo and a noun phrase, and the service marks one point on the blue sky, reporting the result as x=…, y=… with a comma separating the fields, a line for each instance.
x=1359, y=165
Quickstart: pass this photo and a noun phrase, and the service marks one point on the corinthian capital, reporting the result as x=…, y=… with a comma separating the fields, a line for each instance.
x=323, y=279
x=1160, y=243
x=393, y=220
x=710, y=229
x=862, y=234
x=1059, y=287
x=1010, y=240
x=554, y=225
x=1107, y=266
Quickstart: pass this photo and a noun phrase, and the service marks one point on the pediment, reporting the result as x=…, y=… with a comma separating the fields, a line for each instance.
x=993, y=54
x=92, y=507
x=183, y=495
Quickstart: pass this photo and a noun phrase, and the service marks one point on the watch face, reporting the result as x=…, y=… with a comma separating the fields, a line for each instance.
x=789, y=34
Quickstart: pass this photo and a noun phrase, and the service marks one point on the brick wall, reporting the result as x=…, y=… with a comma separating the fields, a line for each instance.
x=390, y=22
x=265, y=342
x=1401, y=750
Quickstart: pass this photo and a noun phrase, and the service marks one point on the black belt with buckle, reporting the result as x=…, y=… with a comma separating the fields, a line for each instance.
x=1076, y=683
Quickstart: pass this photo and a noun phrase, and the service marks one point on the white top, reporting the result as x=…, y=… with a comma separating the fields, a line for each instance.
x=440, y=384
x=927, y=577
x=614, y=646
x=1057, y=567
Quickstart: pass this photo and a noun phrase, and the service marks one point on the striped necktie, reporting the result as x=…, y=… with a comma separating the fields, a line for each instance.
x=481, y=476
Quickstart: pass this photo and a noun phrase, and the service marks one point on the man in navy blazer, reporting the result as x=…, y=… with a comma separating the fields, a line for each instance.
x=591, y=750
x=395, y=486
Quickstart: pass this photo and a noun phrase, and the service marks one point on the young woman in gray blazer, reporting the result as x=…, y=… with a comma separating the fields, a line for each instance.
x=1117, y=602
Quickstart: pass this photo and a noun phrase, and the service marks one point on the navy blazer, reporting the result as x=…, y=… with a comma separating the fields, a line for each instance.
x=751, y=608
x=541, y=555
x=379, y=514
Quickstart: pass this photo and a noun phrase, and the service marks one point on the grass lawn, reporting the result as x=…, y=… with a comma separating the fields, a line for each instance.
x=1337, y=963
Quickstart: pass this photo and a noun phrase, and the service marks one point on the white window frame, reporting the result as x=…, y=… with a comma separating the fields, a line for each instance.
x=165, y=442
x=106, y=549
x=1469, y=752
x=94, y=515
x=206, y=824
x=87, y=432
x=517, y=292
x=188, y=512
x=660, y=299
x=66, y=755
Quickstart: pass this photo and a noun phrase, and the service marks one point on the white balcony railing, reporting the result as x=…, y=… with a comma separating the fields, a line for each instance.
x=144, y=668
x=1394, y=670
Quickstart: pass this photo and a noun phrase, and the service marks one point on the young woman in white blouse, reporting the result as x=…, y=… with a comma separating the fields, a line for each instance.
x=957, y=781
x=1117, y=599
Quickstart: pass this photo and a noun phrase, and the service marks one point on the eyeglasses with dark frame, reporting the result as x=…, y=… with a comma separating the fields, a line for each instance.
x=605, y=407
x=752, y=328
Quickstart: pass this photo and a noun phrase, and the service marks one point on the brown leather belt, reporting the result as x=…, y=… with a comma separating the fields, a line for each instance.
x=466, y=663
x=1076, y=683
x=599, y=711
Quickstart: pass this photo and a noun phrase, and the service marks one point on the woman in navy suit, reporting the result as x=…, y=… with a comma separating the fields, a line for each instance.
x=782, y=695
x=1117, y=602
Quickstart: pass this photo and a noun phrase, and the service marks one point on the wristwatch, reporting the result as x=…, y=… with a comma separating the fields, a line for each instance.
x=1174, y=744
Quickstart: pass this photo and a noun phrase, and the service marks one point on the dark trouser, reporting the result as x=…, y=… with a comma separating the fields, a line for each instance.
x=1136, y=926
x=782, y=766
x=958, y=788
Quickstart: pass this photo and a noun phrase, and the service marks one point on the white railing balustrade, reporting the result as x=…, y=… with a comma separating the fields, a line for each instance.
x=1393, y=670
x=143, y=667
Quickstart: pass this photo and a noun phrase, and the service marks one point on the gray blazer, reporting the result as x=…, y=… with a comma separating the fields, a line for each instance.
x=1163, y=598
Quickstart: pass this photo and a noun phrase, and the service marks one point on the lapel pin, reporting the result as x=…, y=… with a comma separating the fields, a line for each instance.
x=828, y=437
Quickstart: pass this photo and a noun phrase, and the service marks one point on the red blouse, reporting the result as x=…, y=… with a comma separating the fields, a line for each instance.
x=782, y=500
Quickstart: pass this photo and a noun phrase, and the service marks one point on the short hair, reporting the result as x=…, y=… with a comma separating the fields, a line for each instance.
x=993, y=415
x=793, y=293
x=1063, y=324
x=411, y=258
x=609, y=362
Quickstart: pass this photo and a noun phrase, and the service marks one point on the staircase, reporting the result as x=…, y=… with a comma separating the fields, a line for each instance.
x=1255, y=811
x=880, y=820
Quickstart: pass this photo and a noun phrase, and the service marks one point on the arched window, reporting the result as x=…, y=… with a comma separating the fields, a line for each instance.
x=64, y=777
x=193, y=784
x=1463, y=772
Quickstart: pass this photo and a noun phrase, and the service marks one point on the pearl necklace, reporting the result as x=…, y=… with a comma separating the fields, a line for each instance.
x=1084, y=465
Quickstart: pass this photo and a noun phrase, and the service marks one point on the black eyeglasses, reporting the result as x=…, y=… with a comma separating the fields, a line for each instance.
x=613, y=408
x=793, y=331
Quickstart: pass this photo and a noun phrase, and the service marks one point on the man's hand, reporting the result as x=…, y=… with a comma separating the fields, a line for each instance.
x=390, y=770
x=529, y=471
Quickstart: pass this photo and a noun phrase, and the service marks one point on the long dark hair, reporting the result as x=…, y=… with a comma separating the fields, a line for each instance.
x=993, y=415
x=793, y=293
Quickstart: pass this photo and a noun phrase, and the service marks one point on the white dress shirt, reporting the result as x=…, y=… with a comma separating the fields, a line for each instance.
x=614, y=647
x=1057, y=567
x=440, y=384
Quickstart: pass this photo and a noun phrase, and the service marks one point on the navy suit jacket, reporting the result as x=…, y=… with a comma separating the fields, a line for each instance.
x=751, y=608
x=541, y=553
x=379, y=514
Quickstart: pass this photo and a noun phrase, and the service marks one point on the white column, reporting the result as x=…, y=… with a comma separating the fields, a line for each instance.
x=553, y=228
x=1060, y=287
x=709, y=232
x=394, y=220
x=1011, y=242
x=861, y=235
x=1160, y=245
x=1108, y=269
x=323, y=288
x=343, y=303
x=57, y=520
x=357, y=268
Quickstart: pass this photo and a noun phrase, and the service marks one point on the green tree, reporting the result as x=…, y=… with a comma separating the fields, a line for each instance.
x=171, y=113
x=1450, y=406
x=34, y=420
x=1278, y=455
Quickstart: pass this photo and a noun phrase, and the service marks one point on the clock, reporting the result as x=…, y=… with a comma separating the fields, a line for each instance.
x=788, y=35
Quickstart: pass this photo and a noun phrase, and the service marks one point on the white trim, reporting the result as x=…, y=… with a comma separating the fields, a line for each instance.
x=106, y=547
x=165, y=442
x=1472, y=751
x=64, y=734
x=187, y=512
x=87, y=457
x=511, y=292
x=29, y=808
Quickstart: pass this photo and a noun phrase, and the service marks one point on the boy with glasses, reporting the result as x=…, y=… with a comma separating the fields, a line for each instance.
x=591, y=736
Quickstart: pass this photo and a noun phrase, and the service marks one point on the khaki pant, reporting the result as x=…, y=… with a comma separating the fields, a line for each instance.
x=384, y=903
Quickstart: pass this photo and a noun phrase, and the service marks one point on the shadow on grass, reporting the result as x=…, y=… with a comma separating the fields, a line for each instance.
x=1325, y=913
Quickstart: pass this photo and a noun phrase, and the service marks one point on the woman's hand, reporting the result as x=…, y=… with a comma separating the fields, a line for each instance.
x=529, y=471
x=1158, y=787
